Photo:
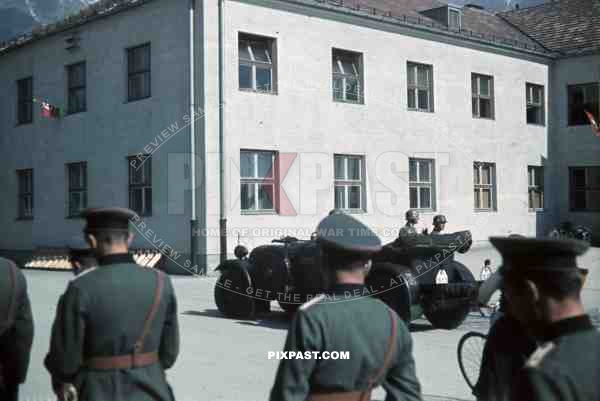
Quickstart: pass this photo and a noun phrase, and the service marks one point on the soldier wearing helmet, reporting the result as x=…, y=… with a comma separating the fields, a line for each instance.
x=412, y=218
x=439, y=223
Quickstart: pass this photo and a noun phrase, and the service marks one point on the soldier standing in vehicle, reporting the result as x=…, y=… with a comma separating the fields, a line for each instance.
x=347, y=319
x=412, y=218
x=543, y=287
x=16, y=330
x=116, y=327
x=439, y=224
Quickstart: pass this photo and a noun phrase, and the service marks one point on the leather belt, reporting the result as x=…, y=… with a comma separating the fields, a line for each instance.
x=136, y=359
x=122, y=361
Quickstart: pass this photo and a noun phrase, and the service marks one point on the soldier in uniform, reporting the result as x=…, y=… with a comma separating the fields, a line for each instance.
x=16, y=330
x=543, y=285
x=116, y=329
x=439, y=223
x=347, y=319
x=412, y=218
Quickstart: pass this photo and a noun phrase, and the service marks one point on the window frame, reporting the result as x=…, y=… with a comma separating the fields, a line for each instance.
x=254, y=64
x=74, y=88
x=347, y=183
x=534, y=186
x=529, y=88
x=257, y=182
x=81, y=189
x=423, y=184
x=357, y=61
x=416, y=86
x=145, y=185
x=25, y=193
x=588, y=187
x=25, y=100
x=596, y=113
x=479, y=187
x=476, y=95
x=143, y=71
x=458, y=12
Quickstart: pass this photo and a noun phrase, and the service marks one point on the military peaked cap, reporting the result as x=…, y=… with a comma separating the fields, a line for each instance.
x=342, y=232
x=528, y=254
x=107, y=219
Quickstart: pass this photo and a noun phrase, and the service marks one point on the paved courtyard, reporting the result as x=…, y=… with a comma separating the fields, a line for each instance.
x=224, y=359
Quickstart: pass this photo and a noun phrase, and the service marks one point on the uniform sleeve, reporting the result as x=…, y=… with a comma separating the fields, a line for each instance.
x=65, y=358
x=169, y=341
x=401, y=383
x=292, y=379
x=534, y=385
x=23, y=331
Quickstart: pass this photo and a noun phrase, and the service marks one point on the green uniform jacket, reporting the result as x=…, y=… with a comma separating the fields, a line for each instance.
x=407, y=230
x=102, y=313
x=15, y=343
x=566, y=367
x=358, y=325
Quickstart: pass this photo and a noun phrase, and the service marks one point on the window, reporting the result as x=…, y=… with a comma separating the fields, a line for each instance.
x=25, y=100
x=138, y=72
x=421, y=183
x=257, y=65
x=257, y=174
x=76, y=87
x=535, y=104
x=420, y=86
x=347, y=76
x=536, y=187
x=140, y=185
x=77, y=188
x=484, y=182
x=25, y=193
x=585, y=188
x=349, y=182
x=454, y=19
x=582, y=98
x=482, y=87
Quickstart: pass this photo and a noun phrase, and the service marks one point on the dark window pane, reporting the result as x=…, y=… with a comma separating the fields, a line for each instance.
x=261, y=52
x=484, y=86
x=353, y=169
x=247, y=198
x=486, y=175
x=423, y=76
x=474, y=89
x=425, y=193
x=476, y=178
x=423, y=100
x=352, y=89
x=475, y=107
x=338, y=88
x=244, y=53
x=414, y=200
x=476, y=199
x=485, y=108
x=412, y=170
x=247, y=165
x=593, y=180
x=593, y=200
x=424, y=171
x=534, y=115
x=263, y=79
x=579, y=177
x=412, y=102
x=340, y=197
x=579, y=200
x=245, y=76
x=411, y=73
x=265, y=163
x=354, y=197
x=266, y=196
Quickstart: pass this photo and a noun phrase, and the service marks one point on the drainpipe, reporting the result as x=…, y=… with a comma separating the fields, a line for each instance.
x=194, y=229
x=222, y=208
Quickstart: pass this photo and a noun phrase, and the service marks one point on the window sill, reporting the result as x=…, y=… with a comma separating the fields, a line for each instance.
x=24, y=218
x=420, y=110
x=536, y=210
x=258, y=92
x=348, y=102
x=353, y=211
x=137, y=99
x=484, y=118
x=485, y=211
x=258, y=212
x=537, y=124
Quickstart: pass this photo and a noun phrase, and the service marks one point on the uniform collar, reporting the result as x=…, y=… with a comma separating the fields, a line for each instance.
x=568, y=326
x=342, y=288
x=115, y=258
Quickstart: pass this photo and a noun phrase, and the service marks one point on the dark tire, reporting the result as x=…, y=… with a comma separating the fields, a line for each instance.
x=230, y=292
x=399, y=294
x=446, y=306
x=469, y=353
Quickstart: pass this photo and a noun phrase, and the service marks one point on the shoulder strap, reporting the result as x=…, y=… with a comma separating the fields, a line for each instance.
x=139, y=344
x=12, y=290
x=389, y=353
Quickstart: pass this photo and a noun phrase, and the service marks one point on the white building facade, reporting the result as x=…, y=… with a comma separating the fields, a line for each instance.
x=322, y=108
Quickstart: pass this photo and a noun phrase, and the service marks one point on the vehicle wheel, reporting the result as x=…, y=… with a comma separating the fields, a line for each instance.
x=230, y=292
x=446, y=306
x=396, y=287
x=469, y=354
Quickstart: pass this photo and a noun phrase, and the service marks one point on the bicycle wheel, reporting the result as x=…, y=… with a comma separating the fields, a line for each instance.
x=469, y=353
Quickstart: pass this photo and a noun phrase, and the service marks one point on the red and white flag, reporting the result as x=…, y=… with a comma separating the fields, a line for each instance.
x=46, y=110
x=593, y=122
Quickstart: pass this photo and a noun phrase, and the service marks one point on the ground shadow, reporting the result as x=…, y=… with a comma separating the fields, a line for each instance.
x=419, y=327
x=272, y=320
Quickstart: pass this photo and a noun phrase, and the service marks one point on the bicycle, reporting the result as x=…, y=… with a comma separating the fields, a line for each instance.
x=469, y=354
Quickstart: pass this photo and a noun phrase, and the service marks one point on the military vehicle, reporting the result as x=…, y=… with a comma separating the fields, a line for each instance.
x=415, y=275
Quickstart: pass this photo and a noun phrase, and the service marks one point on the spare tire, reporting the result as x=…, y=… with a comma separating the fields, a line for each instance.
x=231, y=291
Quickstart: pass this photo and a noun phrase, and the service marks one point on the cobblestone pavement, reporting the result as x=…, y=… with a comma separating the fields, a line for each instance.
x=226, y=359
